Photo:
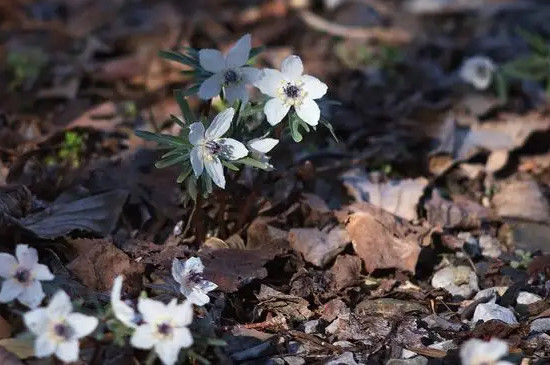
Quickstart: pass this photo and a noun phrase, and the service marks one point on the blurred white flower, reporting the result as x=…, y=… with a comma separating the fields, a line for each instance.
x=478, y=352
x=23, y=275
x=209, y=147
x=229, y=72
x=289, y=88
x=259, y=147
x=478, y=71
x=58, y=329
x=164, y=328
x=192, y=284
x=123, y=312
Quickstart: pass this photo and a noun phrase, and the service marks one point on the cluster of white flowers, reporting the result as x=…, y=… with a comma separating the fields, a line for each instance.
x=58, y=330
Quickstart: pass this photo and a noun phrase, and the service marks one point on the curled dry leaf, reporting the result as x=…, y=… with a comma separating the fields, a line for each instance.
x=316, y=246
x=397, y=197
x=290, y=306
x=346, y=272
x=381, y=239
x=522, y=198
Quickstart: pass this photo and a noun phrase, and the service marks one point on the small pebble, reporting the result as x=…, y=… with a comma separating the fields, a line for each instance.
x=540, y=325
x=488, y=311
x=459, y=280
x=527, y=298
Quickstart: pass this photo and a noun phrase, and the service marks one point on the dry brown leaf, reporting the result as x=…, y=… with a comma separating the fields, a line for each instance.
x=99, y=261
x=381, y=239
x=346, y=272
x=289, y=306
x=522, y=198
x=5, y=328
x=23, y=349
x=316, y=246
x=462, y=213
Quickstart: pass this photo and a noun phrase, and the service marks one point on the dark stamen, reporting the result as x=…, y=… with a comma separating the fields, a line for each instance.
x=292, y=91
x=482, y=71
x=22, y=276
x=63, y=331
x=213, y=147
x=164, y=329
x=230, y=77
x=195, y=277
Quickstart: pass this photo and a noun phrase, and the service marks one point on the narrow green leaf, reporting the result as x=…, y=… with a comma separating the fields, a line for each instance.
x=256, y=51
x=172, y=160
x=192, y=188
x=230, y=166
x=160, y=138
x=294, y=129
x=501, y=86
x=535, y=41
x=184, y=174
x=252, y=162
x=177, y=120
x=179, y=57
x=192, y=90
x=329, y=126
x=216, y=342
x=184, y=106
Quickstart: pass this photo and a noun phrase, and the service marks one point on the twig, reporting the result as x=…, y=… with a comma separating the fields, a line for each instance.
x=392, y=35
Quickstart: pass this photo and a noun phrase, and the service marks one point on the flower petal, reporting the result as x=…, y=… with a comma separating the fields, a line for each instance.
x=220, y=124
x=143, y=337
x=11, y=289
x=198, y=297
x=27, y=256
x=194, y=264
x=167, y=351
x=292, y=67
x=42, y=272
x=60, y=305
x=275, y=111
x=309, y=112
x=314, y=87
x=150, y=309
x=208, y=285
x=211, y=60
x=82, y=324
x=8, y=265
x=182, y=314
x=214, y=168
x=122, y=311
x=251, y=74
x=183, y=337
x=32, y=295
x=234, y=93
x=196, y=161
x=269, y=82
x=44, y=346
x=263, y=145
x=178, y=270
x=37, y=320
x=238, y=54
x=196, y=133
x=67, y=351
x=232, y=149
x=211, y=87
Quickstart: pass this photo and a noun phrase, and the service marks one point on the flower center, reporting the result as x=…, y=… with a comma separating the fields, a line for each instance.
x=22, y=275
x=231, y=77
x=483, y=71
x=292, y=91
x=213, y=147
x=164, y=329
x=63, y=331
x=194, y=277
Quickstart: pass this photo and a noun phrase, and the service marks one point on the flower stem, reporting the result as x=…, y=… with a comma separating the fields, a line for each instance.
x=151, y=357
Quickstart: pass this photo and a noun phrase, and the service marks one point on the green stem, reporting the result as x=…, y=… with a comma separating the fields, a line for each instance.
x=151, y=357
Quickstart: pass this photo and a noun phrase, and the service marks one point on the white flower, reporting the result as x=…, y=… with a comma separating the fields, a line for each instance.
x=58, y=329
x=478, y=71
x=209, y=147
x=478, y=352
x=164, y=328
x=228, y=71
x=289, y=88
x=192, y=284
x=123, y=312
x=23, y=276
x=260, y=146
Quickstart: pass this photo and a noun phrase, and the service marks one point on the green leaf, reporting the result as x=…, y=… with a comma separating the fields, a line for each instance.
x=256, y=51
x=184, y=174
x=329, y=126
x=530, y=68
x=184, y=106
x=179, y=57
x=206, y=185
x=216, y=342
x=192, y=90
x=230, y=166
x=252, y=162
x=163, y=139
x=177, y=120
x=172, y=160
x=250, y=110
x=192, y=188
x=535, y=41
x=501, y=86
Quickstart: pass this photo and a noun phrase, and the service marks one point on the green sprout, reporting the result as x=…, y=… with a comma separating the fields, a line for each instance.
x=69, y=151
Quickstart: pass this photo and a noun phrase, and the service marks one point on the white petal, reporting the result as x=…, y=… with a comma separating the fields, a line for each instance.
x=275, y=111
x=238, y=55
x=194, y=264
x=208, y=285
x=214, y=168
x=67, y=351
x=44, y=346
x=143, y=337
x=198, y=297
x=37, y=320
x=309, y=111
x=498, y=348
x=122, y=311
x=150, y=309
x=27, y=256
x=167, y=351
x=183, y=337
x=196, y=160
x=232, y=149
x=220, y=124
x=182, y=314
x=8, y=265
x=60, y=305
x=263, y=145
x=32, y=295
x=211, y=87
x=178, y=270
x=42, y=272
x=82, y=324
x=251, y=74
x=196, y=133
x=269, y=82
x=475, y=349
x=292, y=67
x=11, y=289
x=211, y=60
x=234, y=93
x=314, y=87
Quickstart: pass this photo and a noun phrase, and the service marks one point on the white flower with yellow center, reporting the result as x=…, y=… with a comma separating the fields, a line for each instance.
x=189, y=275
x=23, y=275
x=478, y=71
x=229, y=72
x=164, y=328
x=478, y=352
x=209, y=147
x=290, y=89
x=58, y=328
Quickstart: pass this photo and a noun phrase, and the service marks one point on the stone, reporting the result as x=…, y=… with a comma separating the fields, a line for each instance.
x=457, y=280
x=526, y=298
x=488, y=311
x=490, y=246
x=540, y=325
x=311, y=326
x=345, y=359
x=490, y=293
